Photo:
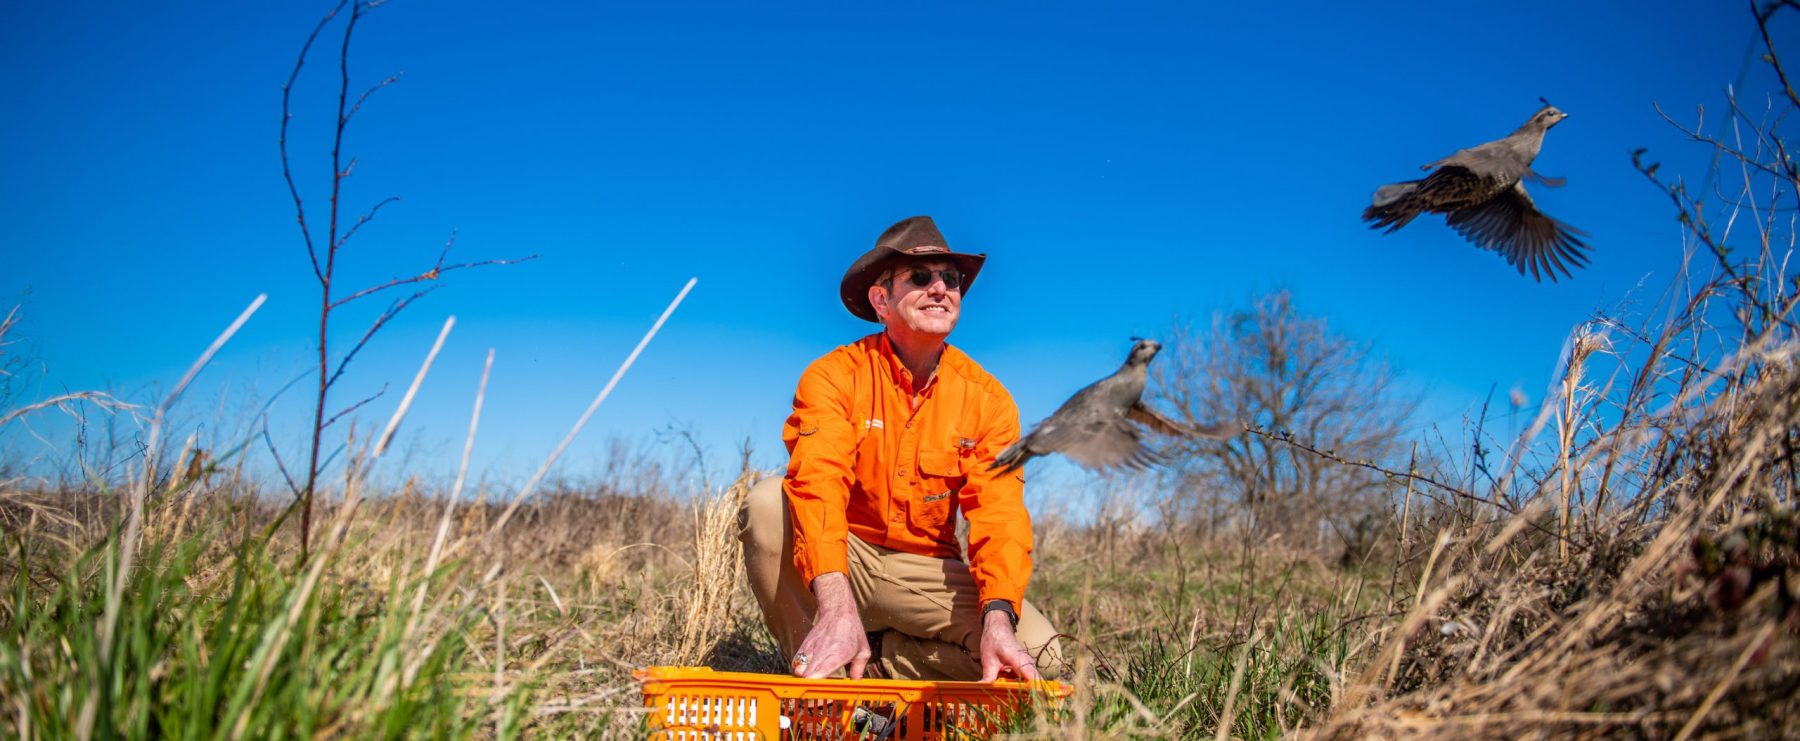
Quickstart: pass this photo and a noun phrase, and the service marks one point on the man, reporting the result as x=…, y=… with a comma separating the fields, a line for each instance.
x=853, y=555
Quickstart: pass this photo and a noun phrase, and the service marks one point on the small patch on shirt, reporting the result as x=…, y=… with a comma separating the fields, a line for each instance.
x=872, y=424
x=965, y=443
x=937, y=497
x=809, y=430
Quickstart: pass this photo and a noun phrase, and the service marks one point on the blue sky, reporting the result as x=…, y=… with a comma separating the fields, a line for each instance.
x=1122, y=166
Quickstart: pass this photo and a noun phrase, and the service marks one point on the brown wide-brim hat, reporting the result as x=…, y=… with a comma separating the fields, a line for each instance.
x=912, y=237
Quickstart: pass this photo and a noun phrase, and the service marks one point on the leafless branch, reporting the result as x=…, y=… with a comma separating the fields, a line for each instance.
x=392, y=311
x=1768, y=138
x=1620, y=326
x=287, y=172
x=363, y=219
x=1689, y=214
x=356, y=406
x=434, y=273
x=338, y=172
x=391, y=79
x=1287, y=438
x=1762, y=26
x=279, y=466
x=1694, y=134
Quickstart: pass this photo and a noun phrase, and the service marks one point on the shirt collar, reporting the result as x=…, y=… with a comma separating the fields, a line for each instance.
x=900, y=373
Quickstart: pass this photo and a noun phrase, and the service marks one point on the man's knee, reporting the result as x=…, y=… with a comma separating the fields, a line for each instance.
x=762, y=519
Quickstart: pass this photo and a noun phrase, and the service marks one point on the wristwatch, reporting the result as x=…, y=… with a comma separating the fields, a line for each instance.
x=1000, y=605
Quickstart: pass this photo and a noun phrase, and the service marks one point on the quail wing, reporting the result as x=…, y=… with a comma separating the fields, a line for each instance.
x=1511, y=224
x=1093, y=442
x=1141, y=413
x=1103, y=441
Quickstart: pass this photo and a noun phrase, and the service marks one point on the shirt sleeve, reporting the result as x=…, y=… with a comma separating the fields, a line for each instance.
x=1000, y=541
x=821, y=443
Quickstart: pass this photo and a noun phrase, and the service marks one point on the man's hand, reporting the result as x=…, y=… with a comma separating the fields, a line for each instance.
x=1000, y=649
x=837, y=635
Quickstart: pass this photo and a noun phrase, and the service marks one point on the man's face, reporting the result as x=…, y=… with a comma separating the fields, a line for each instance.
x=931, y=309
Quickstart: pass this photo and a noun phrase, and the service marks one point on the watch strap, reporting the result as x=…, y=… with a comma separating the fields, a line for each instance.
x=1000, y=605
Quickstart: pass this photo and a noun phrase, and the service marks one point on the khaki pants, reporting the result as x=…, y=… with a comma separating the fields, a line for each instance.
x=924, y=608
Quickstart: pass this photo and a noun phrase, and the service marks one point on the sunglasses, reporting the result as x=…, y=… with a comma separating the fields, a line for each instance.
x=922, y=278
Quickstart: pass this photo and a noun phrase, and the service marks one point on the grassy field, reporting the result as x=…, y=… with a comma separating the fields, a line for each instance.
x=220, y=632
x=414, y=618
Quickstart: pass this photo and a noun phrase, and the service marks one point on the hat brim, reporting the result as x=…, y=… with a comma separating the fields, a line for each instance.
x=854, y=289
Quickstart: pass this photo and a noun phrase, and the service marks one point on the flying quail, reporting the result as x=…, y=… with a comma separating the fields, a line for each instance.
x=1481, y=192
x=1097, y=427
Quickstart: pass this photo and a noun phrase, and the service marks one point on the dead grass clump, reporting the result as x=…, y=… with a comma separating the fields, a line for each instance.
x=1666, y=611
x=715, y=595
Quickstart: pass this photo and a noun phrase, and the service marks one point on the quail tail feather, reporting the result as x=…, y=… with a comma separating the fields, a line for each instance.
x=1386, y=195
x=1392, y=208
x=1011, y=458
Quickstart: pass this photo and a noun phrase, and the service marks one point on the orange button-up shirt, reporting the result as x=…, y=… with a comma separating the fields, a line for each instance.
x=865, y=459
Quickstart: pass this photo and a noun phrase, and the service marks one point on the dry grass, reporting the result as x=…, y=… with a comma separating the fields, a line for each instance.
x=1177, y=637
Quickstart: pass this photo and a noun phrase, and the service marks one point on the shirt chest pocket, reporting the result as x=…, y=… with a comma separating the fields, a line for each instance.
x=943, y=466
x=941, y=474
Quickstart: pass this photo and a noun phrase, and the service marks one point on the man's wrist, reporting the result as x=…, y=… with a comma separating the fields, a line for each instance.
x=1003, y=607
x=832, y=592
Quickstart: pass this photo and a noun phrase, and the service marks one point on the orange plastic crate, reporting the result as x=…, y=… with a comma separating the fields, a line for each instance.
x=699, y=703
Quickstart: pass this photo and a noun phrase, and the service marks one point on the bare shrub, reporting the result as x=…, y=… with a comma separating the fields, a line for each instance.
x=341, y=224
x=1274, y=368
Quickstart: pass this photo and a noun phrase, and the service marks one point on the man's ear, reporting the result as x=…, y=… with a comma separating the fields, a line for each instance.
x=878, y=297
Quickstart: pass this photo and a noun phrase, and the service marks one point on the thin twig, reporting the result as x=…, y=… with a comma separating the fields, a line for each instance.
x=1762, y=26
x=287, y=173
x=279, y=466
x=1700, y=230
x=356, y=406
x=363, y=219
x=1288, y=438
x=432, y=274
x=360, y=99
x=393, y=310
